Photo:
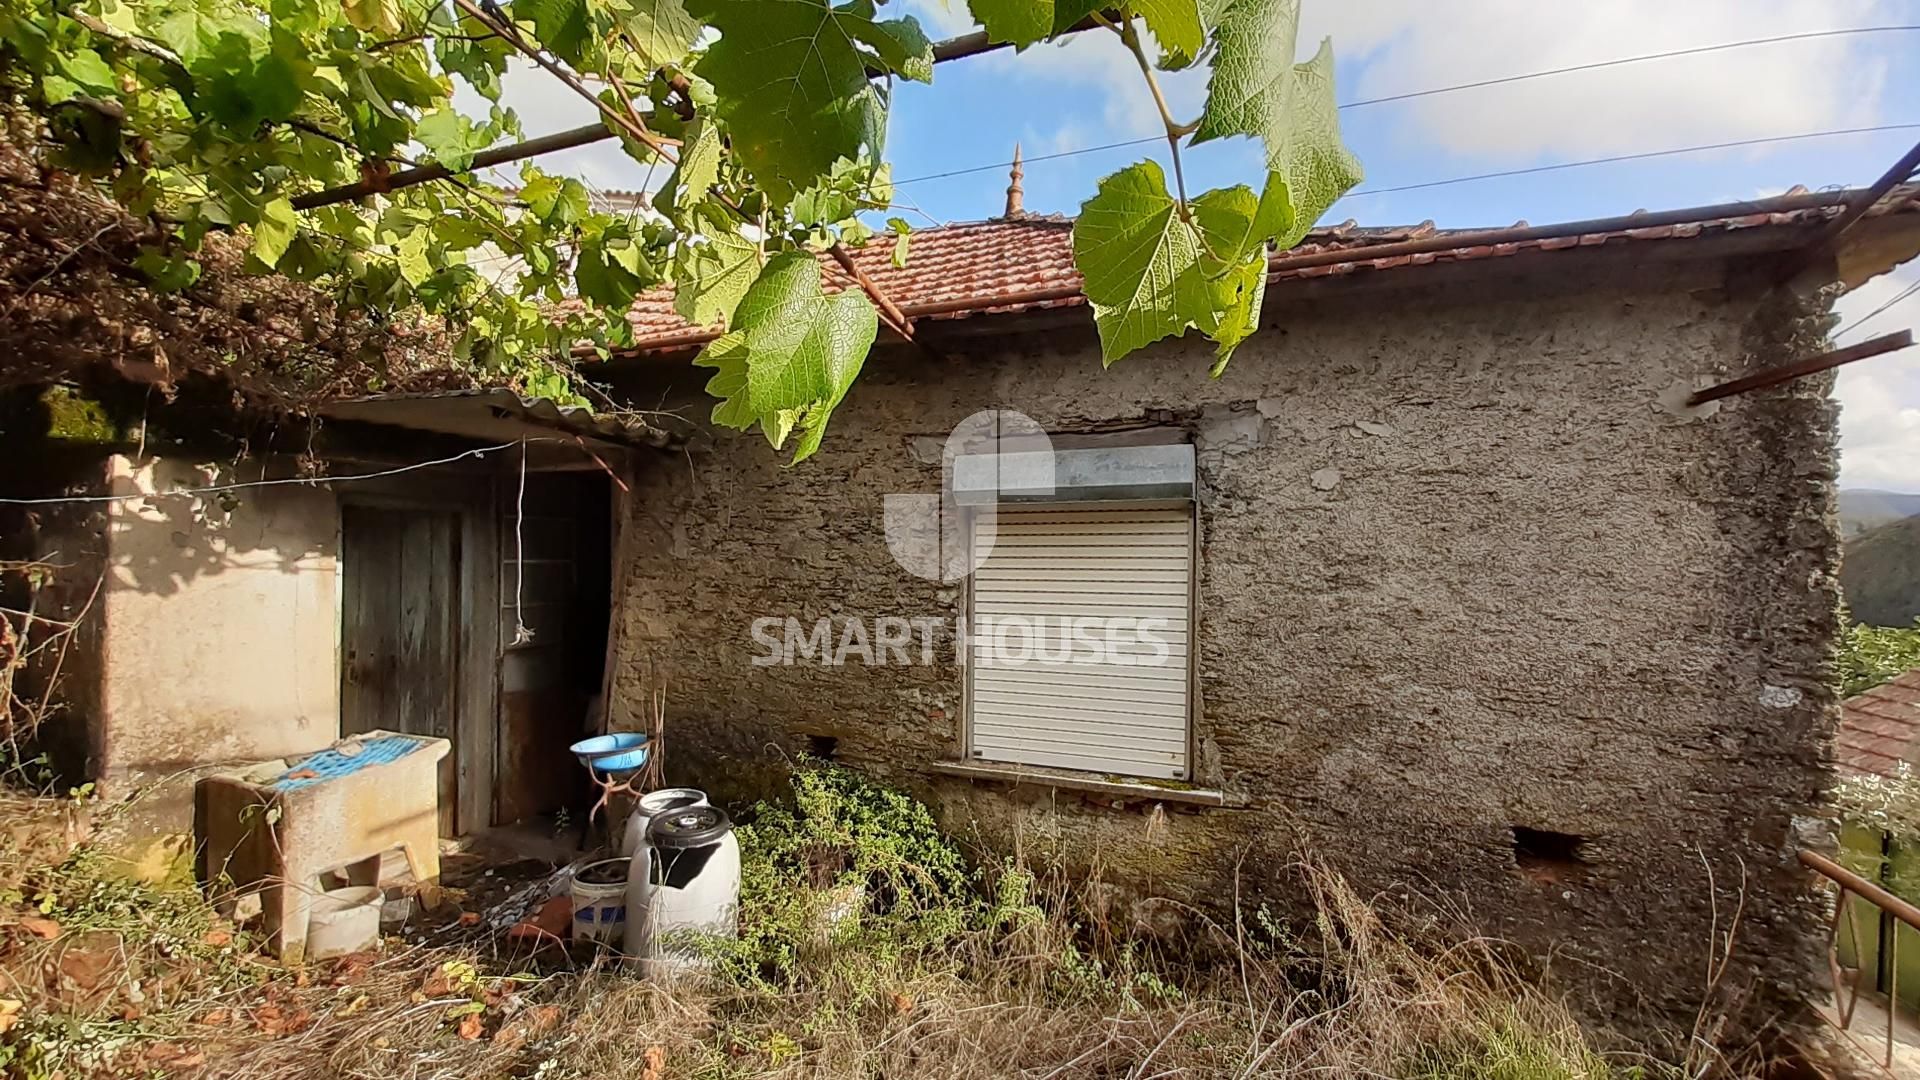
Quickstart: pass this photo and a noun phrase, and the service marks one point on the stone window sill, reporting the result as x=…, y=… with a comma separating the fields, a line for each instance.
x=1113, y=786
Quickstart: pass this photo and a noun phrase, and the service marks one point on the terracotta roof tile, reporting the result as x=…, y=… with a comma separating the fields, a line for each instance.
x=955, y=271
x=1880, y=729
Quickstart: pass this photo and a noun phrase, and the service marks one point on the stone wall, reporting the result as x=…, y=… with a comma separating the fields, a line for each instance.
x=1484, y=614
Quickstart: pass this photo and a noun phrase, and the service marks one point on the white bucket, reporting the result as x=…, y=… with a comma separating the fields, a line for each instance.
x=342, y=921
x=651, y=805
x=600, y=907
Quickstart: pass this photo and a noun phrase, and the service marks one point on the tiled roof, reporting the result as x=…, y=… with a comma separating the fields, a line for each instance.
x=1026, y=262
x=1880, y=729
x=973, y=261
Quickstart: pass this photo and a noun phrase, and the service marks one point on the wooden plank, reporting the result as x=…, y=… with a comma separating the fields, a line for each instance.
x=370, y=566
x=428, y=672
x=477, y=704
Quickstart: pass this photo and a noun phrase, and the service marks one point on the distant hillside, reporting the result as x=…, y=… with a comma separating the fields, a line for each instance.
x=1880, y=574
x=1862, y=509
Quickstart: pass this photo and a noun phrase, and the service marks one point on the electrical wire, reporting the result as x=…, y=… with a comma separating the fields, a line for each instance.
x=216, y=488
x=1869, y=316
x=1642, y=156
x=1410, y=95
x=1670, y=54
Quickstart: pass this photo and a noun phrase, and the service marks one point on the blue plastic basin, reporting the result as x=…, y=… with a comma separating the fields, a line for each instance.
x=621, y=765
x=589, y=750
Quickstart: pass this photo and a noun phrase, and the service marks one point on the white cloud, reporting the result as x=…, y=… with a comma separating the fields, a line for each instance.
x=940, y=18
x=1880, y=397
x=1782, y=88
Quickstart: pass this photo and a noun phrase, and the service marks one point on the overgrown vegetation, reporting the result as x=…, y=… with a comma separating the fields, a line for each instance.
x=870, y=947
x=1871, y=655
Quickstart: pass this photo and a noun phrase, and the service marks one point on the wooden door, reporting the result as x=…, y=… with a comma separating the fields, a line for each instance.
x=400, y=631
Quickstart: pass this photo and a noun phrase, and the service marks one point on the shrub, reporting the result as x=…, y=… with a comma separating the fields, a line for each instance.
x=1871, y=655
x=858, y=874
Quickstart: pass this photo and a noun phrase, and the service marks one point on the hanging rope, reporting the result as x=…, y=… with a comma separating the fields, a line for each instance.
x=521, y=634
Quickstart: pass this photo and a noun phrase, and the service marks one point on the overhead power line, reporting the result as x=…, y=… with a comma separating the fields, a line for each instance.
x=1870, y=316
x=1700, y=149
x=1500, y=81
x=1598, y=64
x=1675, y=151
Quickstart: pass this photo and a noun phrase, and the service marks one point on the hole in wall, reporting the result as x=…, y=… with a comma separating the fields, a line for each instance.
x=1545, y=855
x=822, y=747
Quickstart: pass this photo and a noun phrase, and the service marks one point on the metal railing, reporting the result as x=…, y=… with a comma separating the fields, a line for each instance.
x=1886, y=913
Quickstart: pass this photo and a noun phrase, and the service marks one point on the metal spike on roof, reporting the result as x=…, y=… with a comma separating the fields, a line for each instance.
x=1014, y=191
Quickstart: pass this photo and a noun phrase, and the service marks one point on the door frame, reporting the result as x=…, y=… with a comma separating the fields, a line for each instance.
x=469, y=496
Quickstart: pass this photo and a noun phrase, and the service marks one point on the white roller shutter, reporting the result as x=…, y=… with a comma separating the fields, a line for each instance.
x=1108, y=698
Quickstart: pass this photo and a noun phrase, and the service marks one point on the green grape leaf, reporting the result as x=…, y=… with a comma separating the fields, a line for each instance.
x=274, y=231
x=1178, y=59
x=792, y=354
x=713, y=276
x=792, y=86
x=561, y=25
x=1225, y=218
x=661, y=29
x=374, y=16
x=610, y=271
x=167, y=273
x=902, y=235
x=1290, y=107
x=1175, y=24
x=900, y=44
x=1233, y=224
x=1140, y=261
x=1024, y=22
x=88, y=71
x=449, y=137
x=1236, y=295
x=699, y=167
x=416, y=266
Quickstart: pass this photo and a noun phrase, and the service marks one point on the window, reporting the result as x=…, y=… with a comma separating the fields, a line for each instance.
x=1079, y=638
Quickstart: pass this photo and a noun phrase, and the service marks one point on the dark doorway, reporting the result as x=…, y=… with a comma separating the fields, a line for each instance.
x=399, y=629
x=555, y=595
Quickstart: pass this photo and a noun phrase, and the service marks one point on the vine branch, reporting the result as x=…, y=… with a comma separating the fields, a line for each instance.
x=1175, y=130
x=657, y=143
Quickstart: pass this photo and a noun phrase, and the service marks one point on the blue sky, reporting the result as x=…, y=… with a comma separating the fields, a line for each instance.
x=1089, y=93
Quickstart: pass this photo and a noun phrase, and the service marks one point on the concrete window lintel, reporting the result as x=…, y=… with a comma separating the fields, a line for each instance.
x=1034, y=776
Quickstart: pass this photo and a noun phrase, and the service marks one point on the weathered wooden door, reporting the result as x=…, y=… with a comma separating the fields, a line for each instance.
x=400, y=629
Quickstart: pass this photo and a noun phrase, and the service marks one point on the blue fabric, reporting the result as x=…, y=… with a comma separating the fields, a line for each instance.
x=331, y=764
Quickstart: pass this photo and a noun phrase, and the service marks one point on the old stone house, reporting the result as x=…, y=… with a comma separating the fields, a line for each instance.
x=1467, y=601
x=1458, y=594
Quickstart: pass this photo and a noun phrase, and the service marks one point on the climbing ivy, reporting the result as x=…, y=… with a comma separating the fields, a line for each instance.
x=767, y=117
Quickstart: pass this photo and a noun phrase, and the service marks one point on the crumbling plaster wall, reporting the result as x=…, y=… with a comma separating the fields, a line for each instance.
x=1466, y=565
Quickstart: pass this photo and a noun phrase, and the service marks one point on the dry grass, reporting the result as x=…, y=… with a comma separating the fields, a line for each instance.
x=1016, y=987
